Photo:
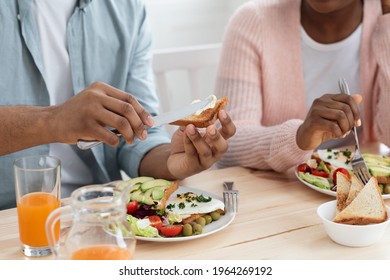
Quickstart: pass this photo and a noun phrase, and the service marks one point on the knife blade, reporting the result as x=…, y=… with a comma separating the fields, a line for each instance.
x=159, y=120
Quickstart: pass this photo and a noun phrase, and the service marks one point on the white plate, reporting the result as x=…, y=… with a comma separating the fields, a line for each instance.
x=328, y=192
x=209, y=229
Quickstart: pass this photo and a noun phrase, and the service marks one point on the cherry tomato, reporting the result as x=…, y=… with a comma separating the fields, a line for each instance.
x=320, y=173
x=304, y=168
x=171, y=230
x=155, y=221
x=132, y=207
x=342, y=170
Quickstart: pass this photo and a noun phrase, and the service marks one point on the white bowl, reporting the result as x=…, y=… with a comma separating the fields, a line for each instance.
x=350, y=235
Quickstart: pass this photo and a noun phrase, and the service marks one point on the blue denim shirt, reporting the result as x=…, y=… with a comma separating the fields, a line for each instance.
x=108, y=41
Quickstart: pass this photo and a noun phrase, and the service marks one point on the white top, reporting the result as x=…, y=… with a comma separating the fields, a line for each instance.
x=324, y=64
x=52, y=17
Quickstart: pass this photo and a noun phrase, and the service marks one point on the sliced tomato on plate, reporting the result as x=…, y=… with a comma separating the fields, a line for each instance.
x=320, y=173
x=171, y=230
x=342, y=170
x=155, y=221
x=304, y=167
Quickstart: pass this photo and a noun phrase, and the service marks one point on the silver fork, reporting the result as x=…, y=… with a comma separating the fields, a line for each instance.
x=358, y=163
x=230, y=197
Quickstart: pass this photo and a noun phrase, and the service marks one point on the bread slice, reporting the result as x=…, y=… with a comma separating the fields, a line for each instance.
x=367, y=208
x=356, y=187
x=167, y=193
x=193, y=217
x=206, y=117
x=342, y=192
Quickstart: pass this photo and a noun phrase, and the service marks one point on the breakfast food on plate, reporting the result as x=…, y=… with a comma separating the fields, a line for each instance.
x=379, y=166
x=206, y=116
x=366, y=208
x=321, y=169
x=154, y=211
x=191, y=206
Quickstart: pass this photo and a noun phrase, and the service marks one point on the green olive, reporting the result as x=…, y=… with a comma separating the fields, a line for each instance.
x=215, y=215
x=208, y=219
x=197, y=229
x=201, y=221
x=187, y=230
x=386, y=189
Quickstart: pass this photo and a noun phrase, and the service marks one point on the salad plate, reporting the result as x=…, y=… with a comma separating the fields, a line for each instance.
x=209, y=229
x=318, y=189
x=326, y=191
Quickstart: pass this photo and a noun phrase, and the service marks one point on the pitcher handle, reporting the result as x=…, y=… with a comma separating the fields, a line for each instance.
x=53, y=234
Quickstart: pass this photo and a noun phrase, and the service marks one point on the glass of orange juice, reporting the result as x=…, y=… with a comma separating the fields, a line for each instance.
x=38, y=189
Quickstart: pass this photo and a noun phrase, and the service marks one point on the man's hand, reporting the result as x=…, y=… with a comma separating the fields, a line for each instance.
x=330, y=116
x=193, y=152
x=88, y=114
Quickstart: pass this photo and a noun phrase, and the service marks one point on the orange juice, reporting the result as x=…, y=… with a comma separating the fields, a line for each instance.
x=33, y=209
x=102, y=252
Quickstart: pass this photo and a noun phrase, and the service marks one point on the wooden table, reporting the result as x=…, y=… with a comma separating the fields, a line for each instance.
x=276, y=220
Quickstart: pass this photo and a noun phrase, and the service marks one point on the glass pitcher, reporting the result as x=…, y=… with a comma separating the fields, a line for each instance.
x=93, y=226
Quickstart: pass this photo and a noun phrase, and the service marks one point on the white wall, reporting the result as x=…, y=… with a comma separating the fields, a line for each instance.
x=183, y=23
x=178, y=23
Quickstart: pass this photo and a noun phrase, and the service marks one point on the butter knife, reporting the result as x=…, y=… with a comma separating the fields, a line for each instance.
x=160, y=120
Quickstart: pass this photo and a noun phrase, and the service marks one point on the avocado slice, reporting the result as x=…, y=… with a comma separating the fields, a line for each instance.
x=158, y=192
x=379, y=170
x=376, y=159
x=136, y=195
x=135, y=182
x=318, y=181
x=155, y=183
x=139, y=180
x=147, y=197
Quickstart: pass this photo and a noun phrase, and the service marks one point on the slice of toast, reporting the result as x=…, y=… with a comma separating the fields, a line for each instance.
x=356, y=187
x=206, y=117
x=343, y=188
x=193, y=217
x=367, y=208
x=167, y=193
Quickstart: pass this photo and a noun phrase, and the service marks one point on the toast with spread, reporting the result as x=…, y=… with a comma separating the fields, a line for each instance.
x=205, y=117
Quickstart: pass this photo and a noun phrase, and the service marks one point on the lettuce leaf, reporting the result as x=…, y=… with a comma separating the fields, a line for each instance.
x=140, y=228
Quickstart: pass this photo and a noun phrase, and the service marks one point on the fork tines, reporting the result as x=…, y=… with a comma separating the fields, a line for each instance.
x=230, y=197
x=360, y=168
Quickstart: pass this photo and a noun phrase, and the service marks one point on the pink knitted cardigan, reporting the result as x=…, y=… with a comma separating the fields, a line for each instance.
x=261, y=72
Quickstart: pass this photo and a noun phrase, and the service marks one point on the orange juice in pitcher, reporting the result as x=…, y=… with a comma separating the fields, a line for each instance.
x=99, y=229
x=102, y=252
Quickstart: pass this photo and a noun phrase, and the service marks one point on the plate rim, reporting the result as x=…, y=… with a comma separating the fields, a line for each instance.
x=324, y=191
x=229, y=217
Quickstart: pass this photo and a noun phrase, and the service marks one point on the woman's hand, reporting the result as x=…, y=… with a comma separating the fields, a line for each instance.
x=385, y=6
x=88, y=114
x=193, y=152
x=330, y=116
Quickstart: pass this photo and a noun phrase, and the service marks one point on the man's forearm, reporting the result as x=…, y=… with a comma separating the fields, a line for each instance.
x=155, y=163
x=22, y=127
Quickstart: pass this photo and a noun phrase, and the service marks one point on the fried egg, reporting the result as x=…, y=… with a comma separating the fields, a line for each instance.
x=189, y=203
x=337, y=158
